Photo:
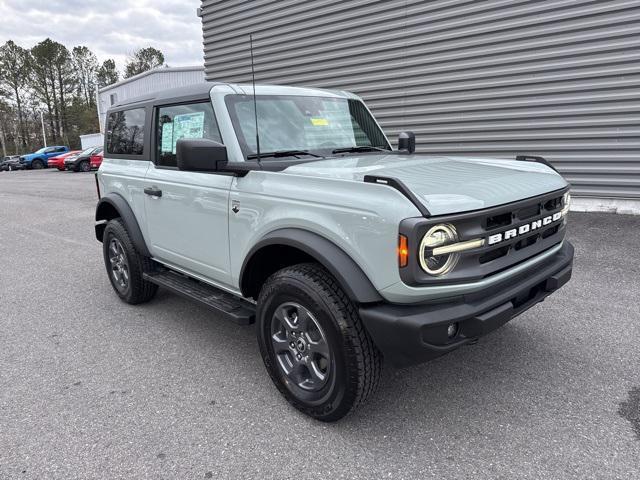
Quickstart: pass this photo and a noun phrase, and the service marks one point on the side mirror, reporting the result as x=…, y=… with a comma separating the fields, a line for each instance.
x=407, y=142
x=200, y=155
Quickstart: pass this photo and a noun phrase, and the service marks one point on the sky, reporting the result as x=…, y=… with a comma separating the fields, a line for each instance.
x=111, y=29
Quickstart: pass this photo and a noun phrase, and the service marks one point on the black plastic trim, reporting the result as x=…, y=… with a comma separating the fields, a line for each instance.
x=411, y=334
x=536, y=159
x=128, y=217
x=231, y=306
x=402, y=188
x=348, y=274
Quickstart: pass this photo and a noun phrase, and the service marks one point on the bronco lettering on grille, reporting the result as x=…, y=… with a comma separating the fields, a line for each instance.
x=522, y=229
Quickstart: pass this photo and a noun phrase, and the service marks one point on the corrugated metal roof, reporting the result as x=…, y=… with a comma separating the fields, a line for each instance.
x=154, y=71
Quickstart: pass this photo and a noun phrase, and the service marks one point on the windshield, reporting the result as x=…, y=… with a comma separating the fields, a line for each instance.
x=41, y=150
x=303, y=123
x=87, y=151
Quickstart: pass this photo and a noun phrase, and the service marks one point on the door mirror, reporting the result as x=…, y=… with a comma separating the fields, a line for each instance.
x=200, y=155
x=407, y=142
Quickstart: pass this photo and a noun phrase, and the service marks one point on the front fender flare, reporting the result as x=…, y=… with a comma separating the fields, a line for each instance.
x=344, y=269
x=104, y=212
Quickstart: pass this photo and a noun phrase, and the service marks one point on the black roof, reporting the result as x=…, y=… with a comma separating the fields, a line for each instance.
x=171, y=95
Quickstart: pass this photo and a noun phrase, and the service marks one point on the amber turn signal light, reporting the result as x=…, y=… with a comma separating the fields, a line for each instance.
x=403, y=251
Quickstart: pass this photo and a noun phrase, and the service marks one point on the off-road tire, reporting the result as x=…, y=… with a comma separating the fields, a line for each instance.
x=357, y=362
x=137, y=290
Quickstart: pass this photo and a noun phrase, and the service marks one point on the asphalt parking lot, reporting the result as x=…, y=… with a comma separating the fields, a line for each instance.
x=93, y=388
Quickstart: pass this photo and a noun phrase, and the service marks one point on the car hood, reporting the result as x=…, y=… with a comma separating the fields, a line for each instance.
x=445, y=184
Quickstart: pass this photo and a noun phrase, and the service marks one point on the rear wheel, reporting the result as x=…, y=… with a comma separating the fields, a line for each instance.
x=84, y=166
x=313, y=343
x=125, y=266
x=37, y=164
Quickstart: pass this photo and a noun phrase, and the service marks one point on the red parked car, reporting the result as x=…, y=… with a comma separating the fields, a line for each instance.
x=58, y=162
x=96, y=159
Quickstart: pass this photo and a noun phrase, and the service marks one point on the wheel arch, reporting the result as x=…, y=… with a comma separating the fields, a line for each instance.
x=289, y=246
x=113, y=206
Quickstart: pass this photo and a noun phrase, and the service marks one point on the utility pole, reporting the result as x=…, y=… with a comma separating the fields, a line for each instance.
x=44, y=135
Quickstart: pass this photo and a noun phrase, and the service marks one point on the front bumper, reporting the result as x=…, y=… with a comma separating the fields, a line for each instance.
x=411, y=334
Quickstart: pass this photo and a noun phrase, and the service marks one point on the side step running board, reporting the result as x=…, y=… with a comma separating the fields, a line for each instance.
x=221, y=302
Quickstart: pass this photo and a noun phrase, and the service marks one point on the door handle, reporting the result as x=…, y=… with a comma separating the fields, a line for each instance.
x=153, y=191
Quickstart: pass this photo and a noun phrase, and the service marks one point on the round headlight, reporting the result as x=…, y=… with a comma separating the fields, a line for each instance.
x=438, y=236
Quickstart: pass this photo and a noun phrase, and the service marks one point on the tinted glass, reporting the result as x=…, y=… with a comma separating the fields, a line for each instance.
x=194, y=120
x=125, y=132
x=295, y=122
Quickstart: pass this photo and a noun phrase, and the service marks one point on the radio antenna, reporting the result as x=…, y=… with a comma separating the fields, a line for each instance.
x=255, y=103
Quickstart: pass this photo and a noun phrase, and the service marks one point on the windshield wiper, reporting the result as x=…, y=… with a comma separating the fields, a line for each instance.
x=282, y=153
x=362, y=148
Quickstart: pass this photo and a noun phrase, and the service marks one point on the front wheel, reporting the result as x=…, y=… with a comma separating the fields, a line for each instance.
x=37, y=164
x=313, y=343
x=84, y=166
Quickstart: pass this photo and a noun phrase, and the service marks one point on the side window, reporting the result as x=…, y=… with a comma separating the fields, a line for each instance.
x=194, y=120
x=125, y=132
x=60, y=149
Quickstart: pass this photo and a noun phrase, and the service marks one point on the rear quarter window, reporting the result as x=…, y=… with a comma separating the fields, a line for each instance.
x=125, y=132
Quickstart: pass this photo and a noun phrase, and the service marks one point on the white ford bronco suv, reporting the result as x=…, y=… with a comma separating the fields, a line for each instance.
x=288, y=207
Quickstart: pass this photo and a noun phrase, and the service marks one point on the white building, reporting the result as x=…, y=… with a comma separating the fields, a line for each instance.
x=91, y=140
x=144, y=83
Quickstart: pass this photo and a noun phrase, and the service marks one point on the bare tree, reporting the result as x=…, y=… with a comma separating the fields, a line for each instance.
x=85, y=64
x=65, y=77
x=107, y=73
x=14, y=68
x=43, y=81
x=142, y=60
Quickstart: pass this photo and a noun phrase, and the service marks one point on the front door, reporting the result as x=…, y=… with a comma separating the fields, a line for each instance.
x=187, y=212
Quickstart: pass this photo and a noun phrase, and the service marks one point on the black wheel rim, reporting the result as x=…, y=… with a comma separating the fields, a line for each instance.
x=37, y=165
x=119, y=264
x=300, y=347
x=85, y=167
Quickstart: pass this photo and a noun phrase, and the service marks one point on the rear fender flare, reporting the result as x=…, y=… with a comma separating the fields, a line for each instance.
x=104, y=212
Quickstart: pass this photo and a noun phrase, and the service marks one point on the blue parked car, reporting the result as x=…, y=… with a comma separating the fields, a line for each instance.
x=38, y=159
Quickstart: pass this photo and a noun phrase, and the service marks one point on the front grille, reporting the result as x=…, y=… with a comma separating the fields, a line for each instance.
x=494, y=254
x=521, y=246
x=494, y=257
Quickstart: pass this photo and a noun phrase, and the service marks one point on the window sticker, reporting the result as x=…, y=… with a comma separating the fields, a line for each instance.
x=187, y=125
x=319, y=122
x=167, y=137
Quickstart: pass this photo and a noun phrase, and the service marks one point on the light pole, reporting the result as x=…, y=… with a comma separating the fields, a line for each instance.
x=44, y=135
